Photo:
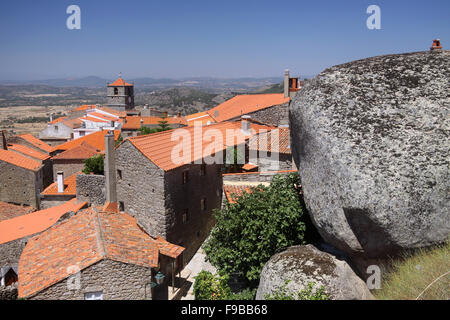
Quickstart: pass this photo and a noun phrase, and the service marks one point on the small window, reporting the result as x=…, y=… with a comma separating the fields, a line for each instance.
x=185, y=177
x=203, y=170
x=93, y=295
x=185, y=216
x=119, y=174
x=121, y=206
x=203, y=204
x=116, y=91
x=56, y=128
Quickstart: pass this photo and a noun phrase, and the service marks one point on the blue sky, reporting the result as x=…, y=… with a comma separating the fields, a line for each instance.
x=174, y=38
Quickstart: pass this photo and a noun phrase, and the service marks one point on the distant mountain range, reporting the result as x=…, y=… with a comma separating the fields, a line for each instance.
x=195, y=82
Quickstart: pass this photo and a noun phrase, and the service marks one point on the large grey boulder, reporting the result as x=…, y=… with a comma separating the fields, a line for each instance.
x=371, y=141
x=304, y=264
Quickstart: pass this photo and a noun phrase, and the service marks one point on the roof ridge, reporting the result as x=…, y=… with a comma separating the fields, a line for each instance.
x=99, y=234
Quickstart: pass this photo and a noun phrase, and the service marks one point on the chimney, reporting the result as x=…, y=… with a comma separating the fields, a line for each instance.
x=60, y=181
x=110, y=168
x=245, y=124
x=286, y=83
x=51, y=116
x=4, y=143
x=436, y=45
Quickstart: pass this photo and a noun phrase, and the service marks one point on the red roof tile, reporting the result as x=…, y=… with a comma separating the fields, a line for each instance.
x=19, y=160
x=35, y=222
x=263, y=141
x=28, y=152
x=80, y=152
x=82, y=240
x=158, y=147
x=120, y=83
x=96, y=139
x=244, y=104
x=134, y=122
x=70, y=187
x=232, y=191
x=9, y=210
x=84, y=107
x=36, y=142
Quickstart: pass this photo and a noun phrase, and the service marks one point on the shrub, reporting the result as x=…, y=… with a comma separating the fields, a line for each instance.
x=259, y=224
x=94, y=164
x=306, y=294
x=211, y=287
x=423, y=275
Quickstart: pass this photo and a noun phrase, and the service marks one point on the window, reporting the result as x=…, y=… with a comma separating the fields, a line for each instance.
x=185, y=177
x=185, y=216
x=121, y=206
x=98, y=295
x=203, y=170
x=82, y=133
x=119, y=174
x=203, y=204
x=116, y=91
x=56, y=128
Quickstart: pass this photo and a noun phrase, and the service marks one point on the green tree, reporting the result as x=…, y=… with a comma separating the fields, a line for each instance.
x=119, y=140
x=260, y=223
x=211, y=287
x=162, y=126
x=94, y=164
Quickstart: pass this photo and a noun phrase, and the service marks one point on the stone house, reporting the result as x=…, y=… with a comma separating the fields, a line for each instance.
x=174, y=199
x=17, y=228
x=107, y=250
x=21, y=179
x=30, y=141
x=59, y=131
x=71, y=161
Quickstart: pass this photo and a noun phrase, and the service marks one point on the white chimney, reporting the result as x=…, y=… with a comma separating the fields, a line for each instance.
x=60, y=181
x=286, y=83
x=51, y=116
x=245, y=123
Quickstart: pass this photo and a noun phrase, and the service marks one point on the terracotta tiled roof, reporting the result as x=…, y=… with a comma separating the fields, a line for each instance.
x=103, y=116
x=82, y=240
x=96, y=139
x=9, y=211
x=35, y=222
x=88, y=118
x=249, y=166
x=158, y=147
x=134, y=122
x=60, y=119
x=28, y=151
x=257, y=141
x=19, y=160
x=119, y=83
x=73, y=123
x=244, y=104
x=80, y=152
x=199, y=117
x=36, y=142
x=233, y=191
x=70, y=187
x=84, y=107
x=121, y=114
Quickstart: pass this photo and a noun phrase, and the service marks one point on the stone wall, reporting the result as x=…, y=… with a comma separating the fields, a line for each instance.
x=141, y=189
x=54, y=200
x=19, y=185
x=69, y=167
x=116, y=280
x=10, y=252
x=284, y=162
x=180, y=197
x=91, y=188
x=8, y=293
x=274, y=116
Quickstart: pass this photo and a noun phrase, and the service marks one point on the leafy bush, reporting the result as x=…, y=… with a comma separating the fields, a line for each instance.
x=424, y=275
x=208, y=286
x=94, y=164
x=306, y=294
x=259, y=224
x=211, y=287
